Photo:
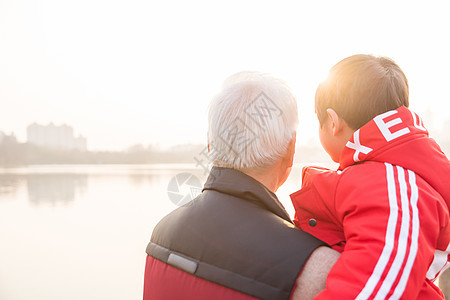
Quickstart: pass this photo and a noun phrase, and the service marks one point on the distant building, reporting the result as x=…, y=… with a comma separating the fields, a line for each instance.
x=55, y=137
x=7, y=138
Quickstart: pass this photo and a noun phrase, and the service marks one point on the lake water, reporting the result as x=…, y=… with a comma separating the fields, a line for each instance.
x=80, y=232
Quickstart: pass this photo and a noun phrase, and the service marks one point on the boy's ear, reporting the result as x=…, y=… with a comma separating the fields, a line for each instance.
x=336, y=122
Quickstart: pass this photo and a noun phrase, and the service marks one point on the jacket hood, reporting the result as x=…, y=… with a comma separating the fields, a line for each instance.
x=399, y=137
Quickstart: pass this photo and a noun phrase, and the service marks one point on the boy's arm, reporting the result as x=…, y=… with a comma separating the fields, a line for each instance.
x=391, y=227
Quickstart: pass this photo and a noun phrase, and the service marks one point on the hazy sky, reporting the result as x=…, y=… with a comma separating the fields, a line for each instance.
x=126, y=72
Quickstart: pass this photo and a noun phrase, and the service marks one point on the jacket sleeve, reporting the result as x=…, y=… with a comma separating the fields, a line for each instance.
x=391, y=225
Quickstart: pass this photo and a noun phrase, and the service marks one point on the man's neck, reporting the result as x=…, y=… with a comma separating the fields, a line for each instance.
x=269, y=177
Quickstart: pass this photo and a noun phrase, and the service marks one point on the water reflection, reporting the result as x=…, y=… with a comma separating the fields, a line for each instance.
x=8, y=184
x=55, y=188
x=161, y=178
x=85, y=209
x=139, y=180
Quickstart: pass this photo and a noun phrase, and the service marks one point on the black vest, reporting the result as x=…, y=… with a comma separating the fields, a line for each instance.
x=237, y=234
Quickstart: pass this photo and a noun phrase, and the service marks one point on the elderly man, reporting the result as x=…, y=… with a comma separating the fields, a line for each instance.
x=235, y=240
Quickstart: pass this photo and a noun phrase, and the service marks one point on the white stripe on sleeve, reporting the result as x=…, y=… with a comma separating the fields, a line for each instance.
x=439, y=263
x=414, y=238
x=402, y=239
x=389, y=239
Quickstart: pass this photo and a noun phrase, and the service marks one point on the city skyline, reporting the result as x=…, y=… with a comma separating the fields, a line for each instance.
x=438, y=129
x=55, y=136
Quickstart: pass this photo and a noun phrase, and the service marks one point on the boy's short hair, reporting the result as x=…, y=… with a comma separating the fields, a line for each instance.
x=361, y=87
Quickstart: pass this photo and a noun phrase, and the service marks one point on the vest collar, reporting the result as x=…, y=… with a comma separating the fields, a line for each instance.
x=237, y=184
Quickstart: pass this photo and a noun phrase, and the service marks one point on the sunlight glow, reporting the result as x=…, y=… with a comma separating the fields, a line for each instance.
x=132, y=72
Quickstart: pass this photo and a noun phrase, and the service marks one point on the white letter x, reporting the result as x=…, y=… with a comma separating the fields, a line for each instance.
x=357, y=146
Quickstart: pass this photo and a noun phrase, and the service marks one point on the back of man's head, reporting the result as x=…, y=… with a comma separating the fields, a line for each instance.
x=251, y=121
x=360, y=87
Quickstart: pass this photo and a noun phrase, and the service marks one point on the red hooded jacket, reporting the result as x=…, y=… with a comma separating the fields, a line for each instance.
x=386, y=209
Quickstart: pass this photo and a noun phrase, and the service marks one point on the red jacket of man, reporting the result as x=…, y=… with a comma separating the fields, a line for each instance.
x=386, y=209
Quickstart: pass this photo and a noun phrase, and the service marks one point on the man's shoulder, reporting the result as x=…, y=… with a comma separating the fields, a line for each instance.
x=226, y=237
x=228, y=219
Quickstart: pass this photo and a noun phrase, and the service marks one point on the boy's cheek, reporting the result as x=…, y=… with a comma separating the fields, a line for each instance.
x=329, y=146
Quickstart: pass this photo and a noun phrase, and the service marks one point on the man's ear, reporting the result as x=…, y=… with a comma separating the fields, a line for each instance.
x=336, y=122
x=291, y=150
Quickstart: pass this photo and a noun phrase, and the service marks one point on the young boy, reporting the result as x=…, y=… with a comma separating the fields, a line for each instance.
x=386, y=208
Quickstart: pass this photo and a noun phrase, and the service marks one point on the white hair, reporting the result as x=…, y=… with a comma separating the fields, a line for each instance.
x=251, y=121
